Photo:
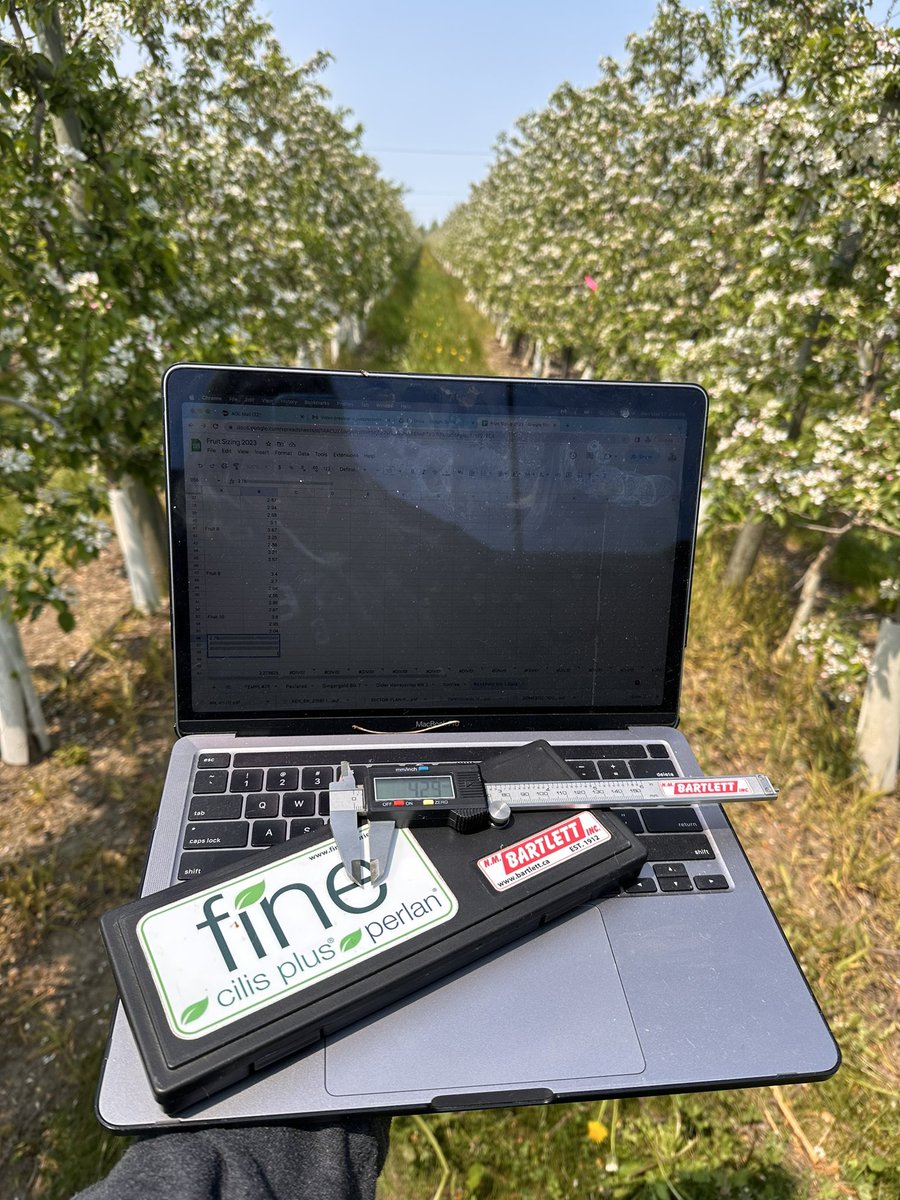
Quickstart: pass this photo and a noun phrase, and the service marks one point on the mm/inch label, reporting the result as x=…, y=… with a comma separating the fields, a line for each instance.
x=590, y=793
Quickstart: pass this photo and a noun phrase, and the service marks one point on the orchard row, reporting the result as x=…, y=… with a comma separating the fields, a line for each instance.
x=208, y=205
x=723, y=206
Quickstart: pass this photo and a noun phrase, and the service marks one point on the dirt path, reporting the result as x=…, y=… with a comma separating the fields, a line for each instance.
x=73, y=828
x=500, y=361
x=101, y=597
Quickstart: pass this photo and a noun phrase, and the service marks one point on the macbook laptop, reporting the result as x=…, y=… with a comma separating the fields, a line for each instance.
x=423, y=570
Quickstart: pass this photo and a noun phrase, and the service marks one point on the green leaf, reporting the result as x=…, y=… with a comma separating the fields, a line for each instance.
x=351, y=940
x=66, y=620
x=250, y=895
x=195, y=1010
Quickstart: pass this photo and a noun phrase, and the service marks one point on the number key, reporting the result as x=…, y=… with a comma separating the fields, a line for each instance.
x=315, y=778
x=248, y=780
x=282, y=779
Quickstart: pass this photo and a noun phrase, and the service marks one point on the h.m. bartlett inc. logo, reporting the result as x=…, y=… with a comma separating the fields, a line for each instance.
x=549, y=848
x=221, y=954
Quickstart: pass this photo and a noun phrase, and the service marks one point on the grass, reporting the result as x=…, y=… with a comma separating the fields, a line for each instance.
x=73, y=1150
x=424, y=325
x=824, y=855
x=825, y=861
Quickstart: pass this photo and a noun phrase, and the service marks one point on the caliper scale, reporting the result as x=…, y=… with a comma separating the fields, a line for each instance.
x=457, y=795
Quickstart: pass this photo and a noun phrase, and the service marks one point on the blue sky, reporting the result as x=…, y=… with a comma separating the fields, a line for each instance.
x=434, y=83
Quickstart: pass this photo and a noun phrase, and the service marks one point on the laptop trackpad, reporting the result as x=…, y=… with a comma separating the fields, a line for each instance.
x=550, y=1007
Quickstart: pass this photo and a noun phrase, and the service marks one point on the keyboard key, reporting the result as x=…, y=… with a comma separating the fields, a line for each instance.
x=673, y=847
x=615, y=768
x=197, y=863
x=262, y=804
x=207, y=783
x=658, y=750
x=630, y=818
x=641, y=886
x=282, y=779
x=250, y=780
x=205, y=762
x=710, y=883
x=216, y=835
x=268, y=833
x=308, y=825
x=669, y=870
x=215, y=808
x=654, y=768
x=619, y=750
x=584, y=769
x=675, y=883
x=315, y=778
x=324, y=803
x=671, y=820
x=298, y=804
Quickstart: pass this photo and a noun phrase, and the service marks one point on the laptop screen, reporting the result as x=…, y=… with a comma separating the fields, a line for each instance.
x=395, y=550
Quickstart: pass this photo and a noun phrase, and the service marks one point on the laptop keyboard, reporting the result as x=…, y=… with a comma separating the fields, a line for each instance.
x=246, y=800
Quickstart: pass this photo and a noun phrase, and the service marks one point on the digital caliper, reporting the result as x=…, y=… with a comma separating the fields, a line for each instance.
x=456, y=795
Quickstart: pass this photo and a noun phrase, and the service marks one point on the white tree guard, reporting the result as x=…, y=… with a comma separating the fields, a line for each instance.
x=878, y=730
x=131, y=532
x=20, y=706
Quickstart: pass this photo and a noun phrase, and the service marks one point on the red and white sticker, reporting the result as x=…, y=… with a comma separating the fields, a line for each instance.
x=514, y=864
x=705, y=787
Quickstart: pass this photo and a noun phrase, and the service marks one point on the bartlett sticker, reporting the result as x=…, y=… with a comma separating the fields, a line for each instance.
x=237, y=947
x=705, y=787
x=543, y=850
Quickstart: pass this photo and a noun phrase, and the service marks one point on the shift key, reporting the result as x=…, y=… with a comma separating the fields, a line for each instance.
x=212, y=835
x=676, y=847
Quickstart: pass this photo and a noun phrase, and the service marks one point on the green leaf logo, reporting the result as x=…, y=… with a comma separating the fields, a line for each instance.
x=249, y=895
x=351, y=940
x=193, y=1011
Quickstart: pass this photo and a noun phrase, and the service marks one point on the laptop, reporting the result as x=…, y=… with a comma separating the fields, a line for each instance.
x=400, y=569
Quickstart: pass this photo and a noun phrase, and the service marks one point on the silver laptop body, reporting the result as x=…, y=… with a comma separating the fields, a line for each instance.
x=415, y=569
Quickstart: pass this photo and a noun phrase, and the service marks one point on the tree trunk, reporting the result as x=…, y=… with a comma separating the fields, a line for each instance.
x=744, y=552
x=66, y=123
x=20, y=707
x=871, y=361
x=809, y=593
x=137, y=519
x=878, y=730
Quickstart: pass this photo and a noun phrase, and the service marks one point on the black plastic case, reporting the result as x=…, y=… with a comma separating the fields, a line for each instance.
x=184, y=1070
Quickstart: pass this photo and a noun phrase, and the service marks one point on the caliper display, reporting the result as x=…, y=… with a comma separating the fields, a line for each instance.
x=405, y=790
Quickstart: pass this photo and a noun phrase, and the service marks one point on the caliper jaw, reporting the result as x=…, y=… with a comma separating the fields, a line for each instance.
x=347, y=803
